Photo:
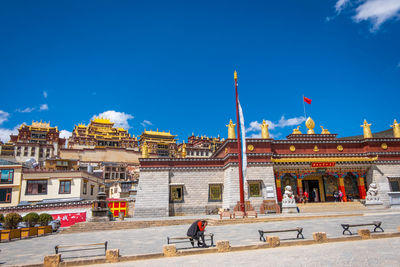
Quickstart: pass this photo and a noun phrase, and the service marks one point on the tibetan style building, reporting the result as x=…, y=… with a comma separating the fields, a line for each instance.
x=200, y=146
x=312, y=162
x=37, y=141
x=100, y=133
x=161, y=144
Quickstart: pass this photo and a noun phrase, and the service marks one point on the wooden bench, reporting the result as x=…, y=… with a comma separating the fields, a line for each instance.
x=346, y=227
x=225, y=214
x=184, y=239
x=239, y=214
x=269, y=206
x=252, y=213
x=60, y=248
x=299, y=231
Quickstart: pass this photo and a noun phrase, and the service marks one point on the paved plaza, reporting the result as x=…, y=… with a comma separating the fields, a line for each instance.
x=148, y=240
x=378, y=252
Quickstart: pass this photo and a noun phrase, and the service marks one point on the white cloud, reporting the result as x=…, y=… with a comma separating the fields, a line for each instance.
x=376, y=12
x=5, y=133
x=25, y=110
x=340, y=4
x=65, y=134
x=44, y=94
x=146, y=123
x=255, y=126
x=4, y=116
x=119, y=118
x=44, y=107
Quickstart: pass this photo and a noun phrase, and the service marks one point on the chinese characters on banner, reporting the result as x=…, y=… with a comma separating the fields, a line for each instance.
x=68, y=219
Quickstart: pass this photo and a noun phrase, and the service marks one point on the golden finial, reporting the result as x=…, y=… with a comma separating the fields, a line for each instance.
x=310, y=124
x=235, y=75
x=264, y=130
x=231, y=130
x=145, y=150
x=367, y=129
x=396, y=129
x=296, y=130
x=324, y=131
x=183, y=153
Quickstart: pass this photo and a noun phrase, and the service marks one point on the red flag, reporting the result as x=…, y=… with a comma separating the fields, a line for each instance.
x=307, y=100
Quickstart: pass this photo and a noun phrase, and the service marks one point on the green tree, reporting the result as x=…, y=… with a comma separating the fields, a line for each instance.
x=31, y=219
x=11, y=220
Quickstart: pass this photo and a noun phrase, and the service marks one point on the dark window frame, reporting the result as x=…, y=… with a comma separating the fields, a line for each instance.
x=253, y=183
x=172, y=197
x=8, y=195
x=61, y=189
x=210, y=199
x=9, y=180
x=37, y=182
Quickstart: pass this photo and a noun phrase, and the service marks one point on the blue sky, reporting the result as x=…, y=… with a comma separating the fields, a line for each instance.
x=169, y=64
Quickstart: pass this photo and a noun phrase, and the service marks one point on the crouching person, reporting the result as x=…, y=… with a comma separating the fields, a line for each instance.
x=196, y=232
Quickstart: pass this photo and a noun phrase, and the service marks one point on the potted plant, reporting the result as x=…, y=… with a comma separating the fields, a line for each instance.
x=44, y=220
x=30, y=219
x=11, y=223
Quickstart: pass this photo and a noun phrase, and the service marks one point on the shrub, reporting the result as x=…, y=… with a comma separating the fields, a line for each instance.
x=1, y=218
x=11, y=220
x=31, y=219
x=44, y=219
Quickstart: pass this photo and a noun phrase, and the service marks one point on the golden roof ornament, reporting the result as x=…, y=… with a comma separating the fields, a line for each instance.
x=145, y=150
x=324, y=131
x=231, y=130
x=183, y=153
x=310, y=124
x=367, y=129
x=396, y=129
x=296, y=130
x=264, y=130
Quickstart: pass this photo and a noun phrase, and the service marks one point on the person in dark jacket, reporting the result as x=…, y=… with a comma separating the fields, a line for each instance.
x=196, y=232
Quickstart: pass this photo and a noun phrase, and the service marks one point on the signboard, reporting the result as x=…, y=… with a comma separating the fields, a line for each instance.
x=322, y=164
x=68, y=219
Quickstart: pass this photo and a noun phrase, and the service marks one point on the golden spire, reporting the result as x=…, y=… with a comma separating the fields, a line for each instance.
x=324, y=131
x=367, y=129
x=145, y=150
x=264, y=130
x=310, y=124
x=231, y=130
x=183, y=153
x=235, y=75
x=396, y=129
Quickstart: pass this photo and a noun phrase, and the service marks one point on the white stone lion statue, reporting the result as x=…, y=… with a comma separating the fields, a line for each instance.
x=288, y=197
x=372, y=193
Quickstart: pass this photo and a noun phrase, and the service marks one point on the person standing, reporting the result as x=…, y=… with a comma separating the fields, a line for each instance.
x=340, y=196
x=336, y=196
x=305, y=199
x=196, y=232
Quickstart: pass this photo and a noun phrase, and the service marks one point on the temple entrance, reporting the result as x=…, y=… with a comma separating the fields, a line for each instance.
x=312, y=187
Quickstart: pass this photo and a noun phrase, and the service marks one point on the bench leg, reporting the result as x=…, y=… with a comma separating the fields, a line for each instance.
x=262, y=238
x=378, y=227
x=212, y=240
x=105, y=247
x=168, y=240
x=346, y=229
x=300, y=233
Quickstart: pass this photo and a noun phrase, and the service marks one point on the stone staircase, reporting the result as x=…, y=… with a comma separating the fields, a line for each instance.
x=331, y=207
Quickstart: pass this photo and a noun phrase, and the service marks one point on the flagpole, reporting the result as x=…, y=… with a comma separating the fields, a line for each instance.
x=239, y=147
x=304, y=106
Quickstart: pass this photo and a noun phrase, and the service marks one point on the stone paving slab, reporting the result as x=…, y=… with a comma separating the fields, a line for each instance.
x=379, y=252
x=149, y=240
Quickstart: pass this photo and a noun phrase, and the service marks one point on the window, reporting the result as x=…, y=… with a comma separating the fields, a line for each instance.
x=65, y=187
x=91, y=190
x=394, y=184
x=32, y=152
x=84, y=188
x=5, y=195
x=254, y=189
x=26, y=152
x=215, y=192
x=176, y=193
x=7, y=176
x=36, y=187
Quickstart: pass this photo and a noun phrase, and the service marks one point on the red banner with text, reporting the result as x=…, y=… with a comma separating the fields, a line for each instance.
x=323, y=164
x=68, y=219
